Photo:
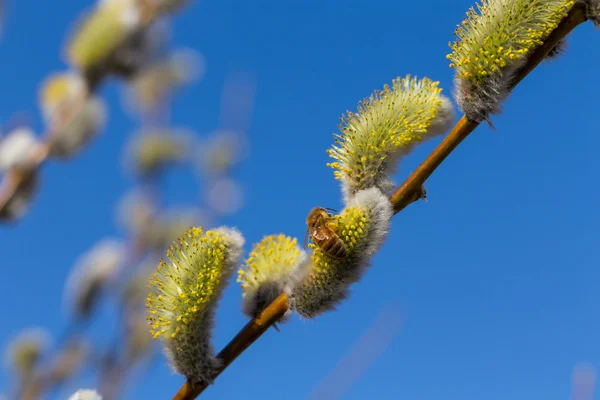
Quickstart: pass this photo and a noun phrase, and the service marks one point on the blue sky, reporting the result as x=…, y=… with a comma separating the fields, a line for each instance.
x=494, y=279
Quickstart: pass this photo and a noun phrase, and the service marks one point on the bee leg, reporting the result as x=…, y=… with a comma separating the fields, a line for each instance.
x=276, y=327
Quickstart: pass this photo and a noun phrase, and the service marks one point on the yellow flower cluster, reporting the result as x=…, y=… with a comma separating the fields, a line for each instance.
x=387, y=126
x=184, y=293
x=500, y=33
x=185, y=286
x=268, y=269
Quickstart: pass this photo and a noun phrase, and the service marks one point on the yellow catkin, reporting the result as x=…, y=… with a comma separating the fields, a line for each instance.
x=388, y=125
x=269, y=267
x=184, y=292
x=501, y=32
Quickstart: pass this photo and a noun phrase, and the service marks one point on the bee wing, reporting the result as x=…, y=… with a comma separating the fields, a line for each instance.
x=306, y=238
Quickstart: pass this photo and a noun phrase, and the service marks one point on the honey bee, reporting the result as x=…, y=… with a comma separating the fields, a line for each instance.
x=322, y=235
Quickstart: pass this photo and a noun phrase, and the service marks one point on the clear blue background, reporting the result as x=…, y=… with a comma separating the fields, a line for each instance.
x=495, y=278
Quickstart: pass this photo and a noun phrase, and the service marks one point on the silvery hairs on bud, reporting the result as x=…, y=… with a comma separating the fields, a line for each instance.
x=17, y=148
x=592, y=11
x=91, y=274
x=69, y=139
x=558, y=50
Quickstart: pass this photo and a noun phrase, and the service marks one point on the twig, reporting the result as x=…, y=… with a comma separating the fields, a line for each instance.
x=406, y=194
x=248, y=335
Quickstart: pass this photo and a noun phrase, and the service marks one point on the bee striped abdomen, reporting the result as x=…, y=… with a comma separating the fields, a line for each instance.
x=333, y=246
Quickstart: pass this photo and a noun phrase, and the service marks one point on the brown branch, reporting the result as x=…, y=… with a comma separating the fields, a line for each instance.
x=409, y=192
x=248, y=335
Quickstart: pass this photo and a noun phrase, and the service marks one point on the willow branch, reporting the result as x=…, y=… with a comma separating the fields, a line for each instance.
x=409, y=192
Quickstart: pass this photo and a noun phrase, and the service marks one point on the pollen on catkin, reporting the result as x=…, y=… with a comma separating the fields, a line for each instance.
x=274, y=262
x=362, y=226
x=388, y=125
x=492, y=43
x=184, y=294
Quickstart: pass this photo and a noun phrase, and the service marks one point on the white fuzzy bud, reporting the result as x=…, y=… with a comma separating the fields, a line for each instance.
x=17, y=149
x=92, y=272
x=86, y=394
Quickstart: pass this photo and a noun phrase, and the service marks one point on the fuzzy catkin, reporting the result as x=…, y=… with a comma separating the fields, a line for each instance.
x=185, y=292
x=70, y=139
x=362, y=226
x=17, y=149
x=270, y=267
x=102, y=32
x=387, y=126
x=493, y=42
x=25, y=351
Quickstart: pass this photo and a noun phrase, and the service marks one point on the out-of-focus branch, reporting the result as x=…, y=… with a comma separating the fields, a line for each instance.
x=14, y=179
x=407, y=193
